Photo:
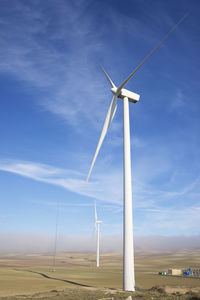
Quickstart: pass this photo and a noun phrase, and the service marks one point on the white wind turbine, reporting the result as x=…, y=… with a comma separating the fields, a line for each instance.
x=97, y=229
x=126, y=96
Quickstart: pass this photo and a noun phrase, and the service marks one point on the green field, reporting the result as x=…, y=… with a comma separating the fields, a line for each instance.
x=76, y=273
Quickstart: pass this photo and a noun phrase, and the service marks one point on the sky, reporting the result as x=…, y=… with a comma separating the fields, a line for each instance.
x=54, y=99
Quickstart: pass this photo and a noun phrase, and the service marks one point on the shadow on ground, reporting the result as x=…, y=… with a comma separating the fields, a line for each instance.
x=59, y=279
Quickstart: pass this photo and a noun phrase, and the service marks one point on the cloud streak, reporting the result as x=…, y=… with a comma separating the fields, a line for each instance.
x=162, y=209
x=58, y=61
x=68, y=179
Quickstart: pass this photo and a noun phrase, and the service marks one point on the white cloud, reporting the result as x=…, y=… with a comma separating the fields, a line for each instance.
x=60, y=60
x=65, y=74
x=169, y=220
x=177, y=100
x=105, y=186
x=155, y=210
x=101, y=188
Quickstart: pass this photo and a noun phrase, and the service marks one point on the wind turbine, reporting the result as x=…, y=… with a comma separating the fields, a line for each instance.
x=126, y=96
x=97, y=229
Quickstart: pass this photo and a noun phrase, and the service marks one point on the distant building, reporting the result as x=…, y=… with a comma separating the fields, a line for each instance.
x=190, y=272
x=175, y=272
x=195, y=272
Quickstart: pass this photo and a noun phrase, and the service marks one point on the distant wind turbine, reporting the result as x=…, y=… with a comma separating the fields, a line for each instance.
x=97, y=229
x=126, y=96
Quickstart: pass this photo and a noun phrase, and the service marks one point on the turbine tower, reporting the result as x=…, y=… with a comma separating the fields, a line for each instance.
x=126, y=96
x=97, y=229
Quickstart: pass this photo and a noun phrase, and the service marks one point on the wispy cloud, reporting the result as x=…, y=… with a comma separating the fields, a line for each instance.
x=106, y=186
x=71, y=180
x=177, y=100
x=58, y=61
x=169, y=220
x=75, y=181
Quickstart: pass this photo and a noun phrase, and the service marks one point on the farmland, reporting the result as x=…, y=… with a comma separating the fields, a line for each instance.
x=28, y=274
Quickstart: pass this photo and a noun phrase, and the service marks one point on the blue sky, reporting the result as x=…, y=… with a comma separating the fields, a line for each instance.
x=54, y=99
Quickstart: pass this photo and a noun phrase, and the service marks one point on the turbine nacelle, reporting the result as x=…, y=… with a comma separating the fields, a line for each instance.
x=99, y=222
x=132, y=97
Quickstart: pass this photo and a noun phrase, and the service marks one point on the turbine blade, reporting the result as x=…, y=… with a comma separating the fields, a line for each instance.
x=108, y=120
x=95, y=226
x=151, y=53
x=108, y=77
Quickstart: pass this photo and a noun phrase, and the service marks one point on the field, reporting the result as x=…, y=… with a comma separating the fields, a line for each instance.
x=76, y=276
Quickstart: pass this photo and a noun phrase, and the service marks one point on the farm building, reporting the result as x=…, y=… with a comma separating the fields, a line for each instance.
x=195, y=272
x=190, y=272
x=174, y=272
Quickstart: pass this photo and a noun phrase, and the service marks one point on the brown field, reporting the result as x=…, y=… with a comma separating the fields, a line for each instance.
x=76, y=276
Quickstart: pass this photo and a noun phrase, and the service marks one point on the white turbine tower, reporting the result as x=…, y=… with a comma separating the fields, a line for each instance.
x=126, y=96
x=97, y=229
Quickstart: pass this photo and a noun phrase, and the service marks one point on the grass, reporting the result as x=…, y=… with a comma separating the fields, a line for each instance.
x=76, y=276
